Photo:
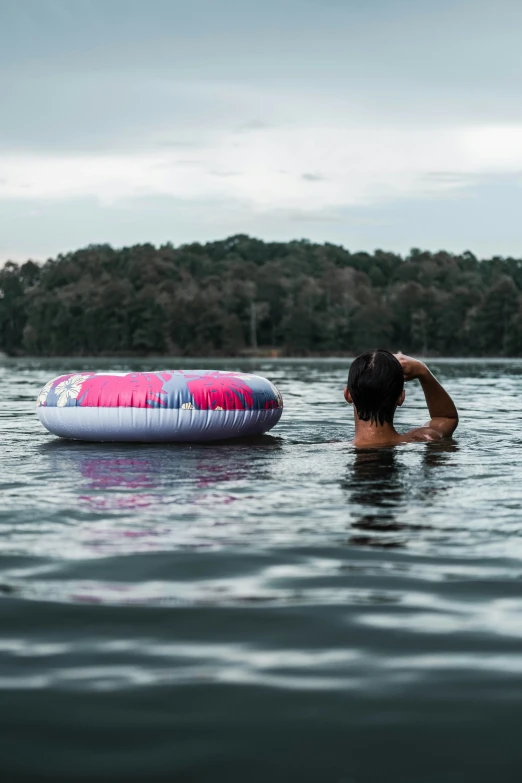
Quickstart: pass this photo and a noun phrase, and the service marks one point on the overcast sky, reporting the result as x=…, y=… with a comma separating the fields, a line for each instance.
x=368, y=123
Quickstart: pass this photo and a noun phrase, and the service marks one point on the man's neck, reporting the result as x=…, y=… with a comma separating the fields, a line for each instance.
x=368, y=434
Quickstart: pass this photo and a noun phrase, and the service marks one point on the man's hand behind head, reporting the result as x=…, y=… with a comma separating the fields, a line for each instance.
x=412, y=368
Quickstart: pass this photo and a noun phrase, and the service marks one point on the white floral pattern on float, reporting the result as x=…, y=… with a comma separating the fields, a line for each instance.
x=42, y=397
x=69, y=389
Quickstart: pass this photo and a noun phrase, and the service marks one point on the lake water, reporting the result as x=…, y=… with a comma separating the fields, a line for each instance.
x=284, y=609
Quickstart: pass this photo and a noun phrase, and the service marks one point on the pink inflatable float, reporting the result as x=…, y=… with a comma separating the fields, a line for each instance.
x=172, y=405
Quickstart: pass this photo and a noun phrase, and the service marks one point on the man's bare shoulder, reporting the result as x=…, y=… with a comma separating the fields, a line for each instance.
x=421, y=435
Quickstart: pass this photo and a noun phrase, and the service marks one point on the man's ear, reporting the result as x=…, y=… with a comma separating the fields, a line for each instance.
x=402, y=397
x=347, y=395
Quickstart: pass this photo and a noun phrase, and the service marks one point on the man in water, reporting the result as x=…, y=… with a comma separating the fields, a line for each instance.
x=375, y=389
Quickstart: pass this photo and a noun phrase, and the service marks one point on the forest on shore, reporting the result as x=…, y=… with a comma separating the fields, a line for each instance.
x=242, y=295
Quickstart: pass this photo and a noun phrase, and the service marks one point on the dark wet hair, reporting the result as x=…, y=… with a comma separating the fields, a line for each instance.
x=375, y=382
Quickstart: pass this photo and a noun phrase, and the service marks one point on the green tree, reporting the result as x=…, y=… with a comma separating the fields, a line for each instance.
x=225, y=297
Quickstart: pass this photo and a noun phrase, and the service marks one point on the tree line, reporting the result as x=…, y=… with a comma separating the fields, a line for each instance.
x=244, y=295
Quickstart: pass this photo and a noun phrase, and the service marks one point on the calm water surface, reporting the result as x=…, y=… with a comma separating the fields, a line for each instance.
x=285, y=609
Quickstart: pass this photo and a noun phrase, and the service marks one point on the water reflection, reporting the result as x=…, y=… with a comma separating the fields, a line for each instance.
x=375, y=485
x=383, y=486
x=436, y=459
x=139, y=498
x=115, y=477
x=438, y=454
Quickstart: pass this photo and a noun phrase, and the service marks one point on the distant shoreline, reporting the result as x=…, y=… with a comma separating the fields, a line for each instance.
x=260, y=356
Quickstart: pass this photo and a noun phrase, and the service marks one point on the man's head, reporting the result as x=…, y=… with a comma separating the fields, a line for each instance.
x=375, y=386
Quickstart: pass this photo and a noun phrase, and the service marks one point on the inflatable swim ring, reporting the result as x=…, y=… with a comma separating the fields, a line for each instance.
x=175, y=405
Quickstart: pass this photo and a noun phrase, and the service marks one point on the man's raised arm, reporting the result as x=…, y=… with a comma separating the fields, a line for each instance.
x=444, y=416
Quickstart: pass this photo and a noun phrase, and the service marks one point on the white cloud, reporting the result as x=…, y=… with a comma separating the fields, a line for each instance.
x=354, y=166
